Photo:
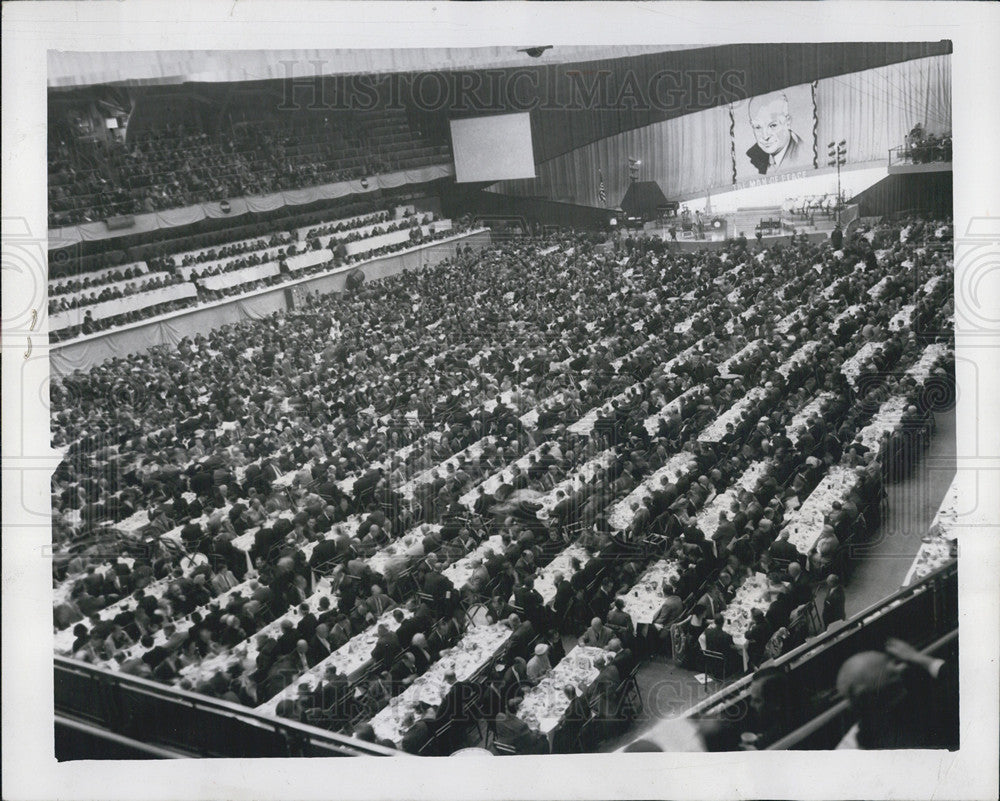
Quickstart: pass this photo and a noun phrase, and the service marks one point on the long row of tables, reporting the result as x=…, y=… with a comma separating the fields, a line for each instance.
x=939, y=545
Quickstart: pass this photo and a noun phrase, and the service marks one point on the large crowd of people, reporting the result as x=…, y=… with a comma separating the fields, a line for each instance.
x=180, y=164
x=162, y=271
x=280, y=491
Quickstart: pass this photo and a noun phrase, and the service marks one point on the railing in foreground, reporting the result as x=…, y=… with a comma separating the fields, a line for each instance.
x=923, y=614
x=118, y=708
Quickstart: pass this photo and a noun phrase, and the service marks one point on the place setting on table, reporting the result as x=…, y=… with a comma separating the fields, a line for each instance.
x=545, y=704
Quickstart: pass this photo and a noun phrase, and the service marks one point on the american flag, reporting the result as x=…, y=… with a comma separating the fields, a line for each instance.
x=602, y=194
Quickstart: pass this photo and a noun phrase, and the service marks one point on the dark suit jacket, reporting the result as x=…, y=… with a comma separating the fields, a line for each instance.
x=318, y=651
x=386, y=649
x=416, y=737
x=761, y=160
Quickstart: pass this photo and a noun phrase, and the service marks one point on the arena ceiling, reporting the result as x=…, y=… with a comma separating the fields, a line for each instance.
x=164, y=67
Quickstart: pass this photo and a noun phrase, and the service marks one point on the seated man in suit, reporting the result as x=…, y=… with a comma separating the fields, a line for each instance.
x=597, y=635
x=320, y=644
x=578, y=712
x=458, y=707
x=783, y=550
x=799, y=585
x=520, y=639
x=512, y=731
x=403, y=672
x=387, y=647
x=421, y=652
x=716, y=638
x=604, y=695
x=620, y=622
x=418, y=731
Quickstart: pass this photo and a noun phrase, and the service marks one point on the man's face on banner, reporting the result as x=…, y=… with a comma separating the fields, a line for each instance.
x=770, y=122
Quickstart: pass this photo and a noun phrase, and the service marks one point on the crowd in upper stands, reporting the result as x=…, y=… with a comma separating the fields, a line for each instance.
x=97, y=294
x=316, y=445
x=114, y=284
x=179, y=165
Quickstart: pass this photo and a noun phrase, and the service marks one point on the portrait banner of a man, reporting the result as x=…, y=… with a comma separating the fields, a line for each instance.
x=773, y=133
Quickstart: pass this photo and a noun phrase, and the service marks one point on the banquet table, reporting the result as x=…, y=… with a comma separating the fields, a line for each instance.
x=137, y=267
x=467, y=658
x=800, y=419
x=64, y=590
x=586, y=424
x=182, y=624
x=888, y=418
x=756, y=592
x=461, y=571
x=347, y=222
x=575, y=480
x=473, y=451
x=938, y=547
x=680, y=464
x=797, y=359
x=545, y=580
x=351, y=660
x=716, y=430
x=178, y=258
x=249, y=648
x=645, y=598
x=652, y=423
x=751, y=347
x=932, y=284
x=805, y=524
x=545, y=704
x=920, y=371
x=492, y=483
x=903, y=318
x=851, y=367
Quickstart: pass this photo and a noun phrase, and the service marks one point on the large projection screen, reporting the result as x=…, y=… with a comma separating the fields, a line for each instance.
x=494, y=148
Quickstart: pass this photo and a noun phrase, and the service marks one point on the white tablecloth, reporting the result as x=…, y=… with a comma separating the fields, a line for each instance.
x=310, y=258
x=903, y=318
x=113, y=308
x=545, y=704
x=852, y=366
x=645, y=598
x=679, y=465
x=936, y=548
x=805, y=524
x=756, y=592
x=716, y=430
x=575, y=480
x=802, y=417
x=473, y=652
x=134, y=266
x=652, y=423
x=751, y=347
x=350, y=659
x=928, y=360
x=239, y=277
x=249, y=648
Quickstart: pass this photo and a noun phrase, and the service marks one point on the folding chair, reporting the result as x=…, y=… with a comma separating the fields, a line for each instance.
x=503, y=749
x=718, y=659
x=629, y=692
